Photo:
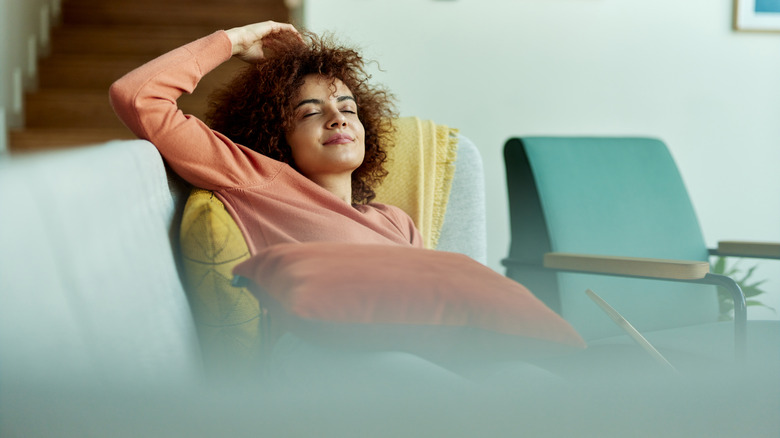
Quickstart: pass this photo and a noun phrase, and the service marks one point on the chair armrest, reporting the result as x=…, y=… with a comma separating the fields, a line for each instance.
x=766, y=250
x=673, y=270
x=628, y=266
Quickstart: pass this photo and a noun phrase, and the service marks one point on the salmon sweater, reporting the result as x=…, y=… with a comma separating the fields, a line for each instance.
x=269, y=200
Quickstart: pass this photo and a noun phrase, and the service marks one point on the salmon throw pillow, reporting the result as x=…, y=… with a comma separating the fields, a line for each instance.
x=377, y=297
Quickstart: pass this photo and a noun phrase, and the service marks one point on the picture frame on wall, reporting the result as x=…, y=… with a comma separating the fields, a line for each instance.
x=757, y=15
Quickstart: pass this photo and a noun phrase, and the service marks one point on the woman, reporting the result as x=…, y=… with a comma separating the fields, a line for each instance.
x=293, y=150
x=296, y=147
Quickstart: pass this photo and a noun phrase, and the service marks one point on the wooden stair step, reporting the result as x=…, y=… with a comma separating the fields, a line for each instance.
x=167, y=13
x=148, y=41
x=60, y=108
x=142, y=3
x=70, y=109
x=99, y=71
x=55, y=138
x=84, y=71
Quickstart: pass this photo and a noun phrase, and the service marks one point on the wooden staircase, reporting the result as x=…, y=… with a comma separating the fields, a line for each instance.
x=100, y=40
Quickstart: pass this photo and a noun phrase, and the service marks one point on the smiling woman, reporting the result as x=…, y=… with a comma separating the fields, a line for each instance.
x=293, y=149
x=294, y=145
x=327, y=138
x=264, y=103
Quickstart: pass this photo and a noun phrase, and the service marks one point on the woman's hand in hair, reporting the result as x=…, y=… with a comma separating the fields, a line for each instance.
x=248, y=40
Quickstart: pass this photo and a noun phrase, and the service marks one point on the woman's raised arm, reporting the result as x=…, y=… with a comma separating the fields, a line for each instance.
x=145, y=100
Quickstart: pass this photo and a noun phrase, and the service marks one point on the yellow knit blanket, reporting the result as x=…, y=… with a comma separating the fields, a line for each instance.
x=421, y=163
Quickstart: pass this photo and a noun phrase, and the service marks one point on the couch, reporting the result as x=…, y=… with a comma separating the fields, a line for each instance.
x=92, y=234
x=97, y=337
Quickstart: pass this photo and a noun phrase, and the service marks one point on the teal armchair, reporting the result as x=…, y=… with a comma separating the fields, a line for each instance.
x=613, y=215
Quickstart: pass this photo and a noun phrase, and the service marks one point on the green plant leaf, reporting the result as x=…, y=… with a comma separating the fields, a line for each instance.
x=751, y=291
x=755, y=303
x=756, y=284
x=720, y=265
x=748, y=274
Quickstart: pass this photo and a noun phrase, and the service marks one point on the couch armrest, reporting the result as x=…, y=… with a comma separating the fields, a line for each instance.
x=630, y=266
x=766, y=250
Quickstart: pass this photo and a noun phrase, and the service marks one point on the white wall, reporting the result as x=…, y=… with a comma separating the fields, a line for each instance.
x=24, y=36
x=666, y=68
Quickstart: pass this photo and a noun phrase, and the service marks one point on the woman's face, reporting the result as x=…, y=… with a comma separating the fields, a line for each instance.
x=327, y=138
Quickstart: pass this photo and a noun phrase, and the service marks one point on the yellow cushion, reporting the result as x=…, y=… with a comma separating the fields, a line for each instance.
x=420, y=169
x=235, y=332
x=231, y=325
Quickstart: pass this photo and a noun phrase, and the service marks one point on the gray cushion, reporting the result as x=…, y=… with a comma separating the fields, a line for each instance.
x=88, y=281
x=464, y=227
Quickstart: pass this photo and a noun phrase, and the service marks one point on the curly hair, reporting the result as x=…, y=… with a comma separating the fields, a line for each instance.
x=255, y=109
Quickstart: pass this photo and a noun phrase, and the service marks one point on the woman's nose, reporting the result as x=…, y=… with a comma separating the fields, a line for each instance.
x=338, y=120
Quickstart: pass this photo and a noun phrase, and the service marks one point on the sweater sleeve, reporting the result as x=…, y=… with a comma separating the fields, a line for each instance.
x=145, y=101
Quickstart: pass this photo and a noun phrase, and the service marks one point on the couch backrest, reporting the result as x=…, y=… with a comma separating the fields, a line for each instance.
x=465, y=223
x=88, y=281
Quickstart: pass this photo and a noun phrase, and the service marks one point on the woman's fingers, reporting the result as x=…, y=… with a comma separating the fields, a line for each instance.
x=248, y=40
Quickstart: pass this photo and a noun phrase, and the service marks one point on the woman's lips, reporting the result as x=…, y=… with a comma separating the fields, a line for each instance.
x=338, y=139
